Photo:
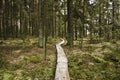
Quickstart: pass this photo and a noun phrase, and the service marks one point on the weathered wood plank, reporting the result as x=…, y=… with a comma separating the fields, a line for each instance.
x=62, y=64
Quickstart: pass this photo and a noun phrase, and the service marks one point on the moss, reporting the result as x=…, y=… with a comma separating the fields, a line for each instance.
x=52, y=40
x=3, y=62
x=35, y=59
x=7, y=76
x=40, y=72
x=88, y=67
x=28, y=67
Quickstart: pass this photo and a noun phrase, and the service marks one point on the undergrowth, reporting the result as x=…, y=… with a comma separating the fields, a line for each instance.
x=85, y=66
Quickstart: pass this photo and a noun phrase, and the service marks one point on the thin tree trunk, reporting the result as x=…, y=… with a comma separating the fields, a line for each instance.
x=70, y=24
x=76, y=30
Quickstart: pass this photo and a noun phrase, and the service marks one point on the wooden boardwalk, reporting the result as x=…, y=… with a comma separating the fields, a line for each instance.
x=62, y=64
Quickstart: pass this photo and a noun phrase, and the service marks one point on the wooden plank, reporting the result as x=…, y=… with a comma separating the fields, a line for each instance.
x=62, y=64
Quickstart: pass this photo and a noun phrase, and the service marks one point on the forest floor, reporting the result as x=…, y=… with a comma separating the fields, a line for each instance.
x=25, y=61
x=100, y=61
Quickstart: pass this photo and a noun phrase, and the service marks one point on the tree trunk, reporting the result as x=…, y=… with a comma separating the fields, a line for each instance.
x=70, y=24
x=40, y=25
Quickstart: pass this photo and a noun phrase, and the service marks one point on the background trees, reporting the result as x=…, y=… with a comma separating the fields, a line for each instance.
x=98, y=20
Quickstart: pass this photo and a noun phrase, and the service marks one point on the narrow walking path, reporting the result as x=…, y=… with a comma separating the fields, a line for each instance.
x=62, y=63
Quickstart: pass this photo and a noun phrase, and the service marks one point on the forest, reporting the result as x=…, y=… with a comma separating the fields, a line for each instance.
x=31, y=31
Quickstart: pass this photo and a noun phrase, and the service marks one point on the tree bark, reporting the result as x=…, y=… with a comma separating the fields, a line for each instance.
x=70, y=24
